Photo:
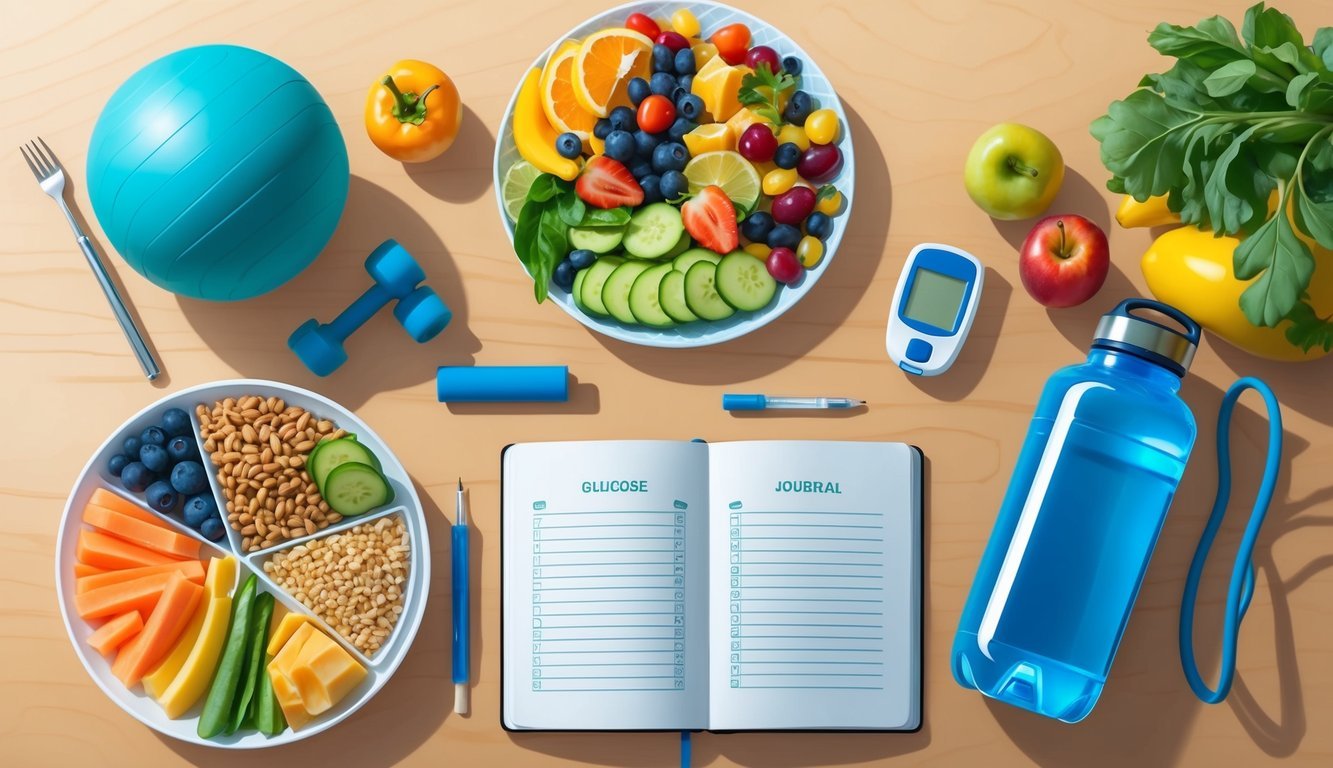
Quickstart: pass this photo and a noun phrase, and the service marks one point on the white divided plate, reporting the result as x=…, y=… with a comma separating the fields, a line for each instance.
x=712, y=16
x=405, y=505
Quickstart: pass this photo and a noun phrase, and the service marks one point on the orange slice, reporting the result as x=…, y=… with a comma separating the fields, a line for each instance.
x=558, y=100
x=605, y=64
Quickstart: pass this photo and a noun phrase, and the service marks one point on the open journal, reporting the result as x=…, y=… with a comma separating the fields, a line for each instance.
x=659, y=585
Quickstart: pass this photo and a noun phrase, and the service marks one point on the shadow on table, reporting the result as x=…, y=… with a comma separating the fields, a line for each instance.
x=1077, y=196
x=463, y=173
x=817, y=315
x=251, y=336
x=1147, y=709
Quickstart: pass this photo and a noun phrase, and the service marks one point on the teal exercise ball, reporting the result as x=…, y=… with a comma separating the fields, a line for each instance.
x=217, y=172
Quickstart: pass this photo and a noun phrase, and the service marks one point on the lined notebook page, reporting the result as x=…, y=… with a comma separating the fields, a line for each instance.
x=605, y=558
x=814, y=584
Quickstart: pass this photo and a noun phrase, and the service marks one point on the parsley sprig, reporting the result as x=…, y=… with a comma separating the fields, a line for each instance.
x=763, y=92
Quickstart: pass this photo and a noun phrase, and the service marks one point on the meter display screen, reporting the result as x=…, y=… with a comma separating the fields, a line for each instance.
x=935, y=299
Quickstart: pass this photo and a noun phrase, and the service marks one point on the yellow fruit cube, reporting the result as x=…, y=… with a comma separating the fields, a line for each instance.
x=286, y=658
x=286, y=628
x=718, y=84
x=288, y=699
x=710, y=137
x=744, y=118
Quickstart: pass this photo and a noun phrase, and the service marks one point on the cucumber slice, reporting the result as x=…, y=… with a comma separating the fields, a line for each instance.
x=333, y=453
x=577, y=288
x=355, y=489
x=701, y=293
x=653, y=231
x=671, y=295
x=596, y=239
x=615, y=294
x=590, y=294
x=693, y=256
x=643, y=301
x=744, y=283
x=682, y=245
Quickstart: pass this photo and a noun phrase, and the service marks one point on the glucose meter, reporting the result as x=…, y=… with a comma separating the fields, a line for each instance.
x=933, y=308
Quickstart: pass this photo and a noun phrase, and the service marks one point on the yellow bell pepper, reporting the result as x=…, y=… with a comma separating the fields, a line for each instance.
x=1152, y=212
x=1191, y=270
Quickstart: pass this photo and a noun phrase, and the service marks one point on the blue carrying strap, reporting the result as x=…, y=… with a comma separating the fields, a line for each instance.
x=1241, y=589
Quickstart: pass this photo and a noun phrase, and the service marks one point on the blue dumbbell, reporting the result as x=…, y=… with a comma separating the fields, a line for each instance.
x=419, y=310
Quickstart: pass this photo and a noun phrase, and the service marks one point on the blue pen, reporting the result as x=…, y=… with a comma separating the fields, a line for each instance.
x=732, y=402
x=461, y=608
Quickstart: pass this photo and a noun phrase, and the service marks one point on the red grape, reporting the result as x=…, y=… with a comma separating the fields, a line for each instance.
x=758, y=143
x=820, y=162
x=791, y=207
x=783, y=265
x=762, y=54
x=673, y=40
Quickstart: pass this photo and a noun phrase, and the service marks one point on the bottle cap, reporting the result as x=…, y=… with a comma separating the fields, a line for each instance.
x=502, y=384
x=744, y=402
x=1168, y=347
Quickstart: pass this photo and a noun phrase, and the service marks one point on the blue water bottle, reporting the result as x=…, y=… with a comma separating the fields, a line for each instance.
x=1103, y=455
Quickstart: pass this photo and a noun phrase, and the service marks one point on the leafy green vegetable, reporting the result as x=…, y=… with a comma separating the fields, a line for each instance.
x=1237, y=116
x=606, y=217
x=762, y=91
x=541, y=236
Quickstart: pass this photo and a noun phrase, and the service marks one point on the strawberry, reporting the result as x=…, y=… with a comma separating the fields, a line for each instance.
x=710, y=218
x=606, y=183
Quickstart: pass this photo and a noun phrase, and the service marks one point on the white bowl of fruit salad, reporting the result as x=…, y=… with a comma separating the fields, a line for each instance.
x=674, y=174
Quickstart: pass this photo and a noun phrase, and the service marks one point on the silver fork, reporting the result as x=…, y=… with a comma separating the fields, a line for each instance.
x=51, y=176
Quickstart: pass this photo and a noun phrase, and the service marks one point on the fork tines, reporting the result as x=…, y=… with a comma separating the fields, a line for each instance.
x=43, y=164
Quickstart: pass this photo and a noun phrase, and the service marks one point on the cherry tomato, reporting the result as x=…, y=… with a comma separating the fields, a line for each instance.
x=757, y=144
x=783, y=265
x=778, y=181
x=830, y=203
x=757, y=250
x=733, y=43
x=809, y=251
x=685, y=23
x=643, y=24
x=794, y=134
x=822, y=126
x=656, y=114
x=762, y=54
x=673, y=40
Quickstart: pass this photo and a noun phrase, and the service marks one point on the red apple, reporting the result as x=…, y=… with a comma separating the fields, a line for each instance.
x=1064, y=260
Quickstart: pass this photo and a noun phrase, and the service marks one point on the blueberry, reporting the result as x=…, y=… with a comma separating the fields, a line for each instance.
x=199, y=508
x=664, y=59
x=136, y=477
x=564, y=273
x=791, y=65
x=645, y=143
x=652, y=188
x=638, y=90
x=681, y=127
x=568, y=145
x=116, y=464
x=161, y=496
x=663, y=83
x=641, y=168
x=623, y=119
x=684, y=62
x=798, y=108
x=153, y=436
x=132, y=446
x=784, y=236
x=787, y=156
x=691, y=107
x=620, y=146
x=181, y=448
x=757, y=226
x=686, y=82
x=189, y=478
x=670, y=156
x=819, y=225
x=155, y=457
x=673, y=185
x=602, y=128
x=176, y=422
x=582, y=258
x=211, y=529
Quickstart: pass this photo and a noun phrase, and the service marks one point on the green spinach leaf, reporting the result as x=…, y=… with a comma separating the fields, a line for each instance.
x=605, y=217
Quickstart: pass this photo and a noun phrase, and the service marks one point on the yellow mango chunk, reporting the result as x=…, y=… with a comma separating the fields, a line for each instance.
x=288, y=699
x=285, y=659
x=286, y=628
x=337, y=671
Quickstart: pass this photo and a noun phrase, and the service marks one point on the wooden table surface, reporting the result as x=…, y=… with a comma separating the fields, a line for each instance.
x=919, y=81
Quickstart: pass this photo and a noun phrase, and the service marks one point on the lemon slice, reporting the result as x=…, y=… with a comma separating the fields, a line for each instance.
x=710, y=137
x=728, y=170
x=604, y=65
x=514, y=189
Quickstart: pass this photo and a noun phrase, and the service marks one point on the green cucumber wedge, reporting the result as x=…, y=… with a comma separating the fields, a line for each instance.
x=334, y=452
x=744, y=283
x=590, y=293
x=701, y=292
x=671, y=296
x=693, y=256
x=615, y=294
x=643, y=301
x=653, y=231
x=577, y=289
x=353, y=489
x=596, y=239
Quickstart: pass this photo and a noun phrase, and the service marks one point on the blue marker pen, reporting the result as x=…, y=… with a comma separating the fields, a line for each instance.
x=461, y=587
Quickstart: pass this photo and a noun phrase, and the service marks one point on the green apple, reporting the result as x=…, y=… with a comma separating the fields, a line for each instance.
x=1013, y=171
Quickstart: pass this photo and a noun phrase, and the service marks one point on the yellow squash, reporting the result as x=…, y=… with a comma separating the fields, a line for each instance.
x=1191, y=270
x=197, y=670
x=1152, y=212
x=533, y=135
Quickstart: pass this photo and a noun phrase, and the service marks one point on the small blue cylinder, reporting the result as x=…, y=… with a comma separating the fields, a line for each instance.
x=744, y=402
x=502, y=384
